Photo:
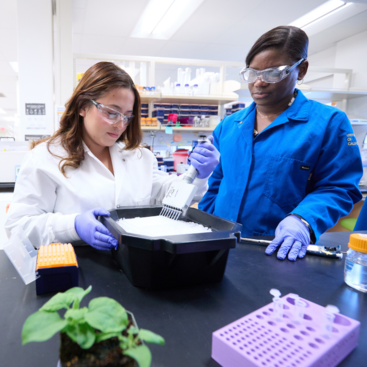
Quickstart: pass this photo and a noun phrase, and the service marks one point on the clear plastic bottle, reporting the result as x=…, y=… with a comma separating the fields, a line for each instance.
x=187, y=90
x=178, y=88
x=195, y=90
x=152, y=90
x=355, y=270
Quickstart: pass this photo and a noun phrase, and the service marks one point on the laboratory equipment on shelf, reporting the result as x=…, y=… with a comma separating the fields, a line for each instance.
x=355, y=271
x=322, y=337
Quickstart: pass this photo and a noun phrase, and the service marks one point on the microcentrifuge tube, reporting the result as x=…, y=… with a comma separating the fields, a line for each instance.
x=277, y=304
x=328, y=317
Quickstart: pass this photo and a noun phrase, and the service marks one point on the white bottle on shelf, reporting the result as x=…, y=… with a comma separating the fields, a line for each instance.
x=195, y=90
x=187, y=90
x=180, y=76
x=187, y=75
x=178, y=88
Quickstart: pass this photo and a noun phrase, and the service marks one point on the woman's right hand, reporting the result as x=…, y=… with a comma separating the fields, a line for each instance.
x=93, y=232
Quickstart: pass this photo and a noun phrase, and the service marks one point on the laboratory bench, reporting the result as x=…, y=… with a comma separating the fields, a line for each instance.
x=186, y=317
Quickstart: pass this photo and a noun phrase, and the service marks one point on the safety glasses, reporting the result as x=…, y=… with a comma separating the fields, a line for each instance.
x=270, y=75
x=112, y=116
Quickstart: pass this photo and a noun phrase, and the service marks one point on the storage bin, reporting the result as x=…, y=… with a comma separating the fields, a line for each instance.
x=173, y=261
x=180, y=156
x=238, y=105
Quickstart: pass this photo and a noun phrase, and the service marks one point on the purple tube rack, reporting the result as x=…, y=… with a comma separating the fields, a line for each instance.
x=259, y=340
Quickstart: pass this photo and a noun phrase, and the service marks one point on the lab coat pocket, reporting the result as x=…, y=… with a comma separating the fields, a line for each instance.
x=286, y=181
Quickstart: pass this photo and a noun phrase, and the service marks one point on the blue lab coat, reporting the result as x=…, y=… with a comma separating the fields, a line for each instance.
x=306, y=162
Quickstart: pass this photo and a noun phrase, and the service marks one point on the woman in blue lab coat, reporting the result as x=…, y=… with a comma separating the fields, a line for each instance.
x=289, y=167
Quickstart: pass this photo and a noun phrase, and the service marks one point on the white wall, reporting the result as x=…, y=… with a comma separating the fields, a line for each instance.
x=350, y=53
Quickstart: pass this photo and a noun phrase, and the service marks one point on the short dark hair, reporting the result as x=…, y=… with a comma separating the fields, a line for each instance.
x=292, y=40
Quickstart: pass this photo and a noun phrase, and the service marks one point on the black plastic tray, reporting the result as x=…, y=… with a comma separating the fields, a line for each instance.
x=173, y=260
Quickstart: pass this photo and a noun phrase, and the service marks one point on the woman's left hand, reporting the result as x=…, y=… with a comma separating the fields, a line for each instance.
x=205, y=158
x=293, y=236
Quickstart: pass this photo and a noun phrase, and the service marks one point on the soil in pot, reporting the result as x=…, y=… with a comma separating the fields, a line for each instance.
x=106, y=353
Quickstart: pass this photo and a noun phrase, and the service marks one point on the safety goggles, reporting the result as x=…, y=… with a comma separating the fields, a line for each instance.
x=270, y=75
x=112, y=116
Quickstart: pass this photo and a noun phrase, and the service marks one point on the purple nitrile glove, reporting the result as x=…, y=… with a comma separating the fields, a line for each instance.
x=93, y=232
x=205, y=158
x=293, y=236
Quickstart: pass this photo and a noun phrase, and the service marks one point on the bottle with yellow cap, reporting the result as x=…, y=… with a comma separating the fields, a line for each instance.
x=355, y=271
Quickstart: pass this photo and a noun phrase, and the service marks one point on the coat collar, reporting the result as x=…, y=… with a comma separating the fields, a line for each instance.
x=299, y=111
x=119, y=145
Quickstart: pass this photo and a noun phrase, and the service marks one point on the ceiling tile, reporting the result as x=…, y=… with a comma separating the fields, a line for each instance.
x=188, y=50
x=8, y=14
x=338, y=32
x=112, y=17
x=224, y=52
x=261, y=19
x=95, y=44
x=212, y=19
x=142, y=47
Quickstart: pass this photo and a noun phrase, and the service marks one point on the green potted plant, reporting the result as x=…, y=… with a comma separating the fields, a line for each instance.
x=102, y=334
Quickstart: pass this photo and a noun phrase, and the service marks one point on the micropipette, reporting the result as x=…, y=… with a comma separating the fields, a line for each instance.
x=180, y=194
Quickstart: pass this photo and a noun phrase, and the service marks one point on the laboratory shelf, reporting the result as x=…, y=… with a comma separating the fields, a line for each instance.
x=318, y=94
x=148, y=128
x=193, y=128
x=188, y=129
x=171, y=98
x=147, y=98
x=213, y=99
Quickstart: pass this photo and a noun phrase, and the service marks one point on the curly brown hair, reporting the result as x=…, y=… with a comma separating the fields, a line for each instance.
x=97, y=80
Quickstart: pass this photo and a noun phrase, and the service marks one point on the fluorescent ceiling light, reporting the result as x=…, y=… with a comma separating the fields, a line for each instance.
x=2, y=112
x=162, y=18
x=14, y=65
x=320, y=12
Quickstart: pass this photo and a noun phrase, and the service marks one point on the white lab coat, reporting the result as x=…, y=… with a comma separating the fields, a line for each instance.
x=45, y=202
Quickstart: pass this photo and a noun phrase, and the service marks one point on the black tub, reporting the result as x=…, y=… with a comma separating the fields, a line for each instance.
x=173, y=260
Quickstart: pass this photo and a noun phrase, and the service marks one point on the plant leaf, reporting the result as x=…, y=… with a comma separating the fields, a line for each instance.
x=106, y=315
x=133, y=330
x=41, y=326
x=150, y=337
x=74, y=317
x=104, y=336
x=57, y=302
x=141, y=354
x=78, y=294
x=83, y=334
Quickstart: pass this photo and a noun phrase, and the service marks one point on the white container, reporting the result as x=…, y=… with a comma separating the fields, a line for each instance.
x=355, y=270
x=214, y=121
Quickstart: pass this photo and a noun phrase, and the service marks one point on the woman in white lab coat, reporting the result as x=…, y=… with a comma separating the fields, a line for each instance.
x=92, y=163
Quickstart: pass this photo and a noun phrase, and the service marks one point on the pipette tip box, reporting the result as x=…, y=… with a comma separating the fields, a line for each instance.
x=57, y=268
x=258, y=339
